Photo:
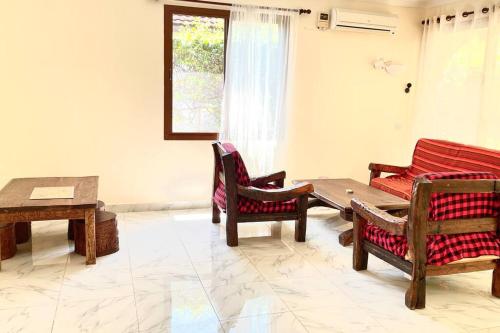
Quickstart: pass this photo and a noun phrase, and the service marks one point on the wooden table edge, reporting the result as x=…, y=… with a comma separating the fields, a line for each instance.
x=346, y=213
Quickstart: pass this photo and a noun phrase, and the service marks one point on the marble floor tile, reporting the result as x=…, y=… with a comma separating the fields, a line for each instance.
x=245, y=300
x=342, y=318
x=212, y=326
x=394, y=316
x=445, y=292
x=50, y=250
x=262, y=247
x=306, y=293
x=94, y=282
x=28, y=293
x=276, y=323
x=28, y=319
x=469, y=315
x=371, y=286
x=230, y=271
x=172, y=310
x=175, y=273
x=287, y=266
x=98, y=315
x=165, y=279
x=212, y=251
x=22, y=266
x=157, y=257
x=117, y=260
x=488, y=330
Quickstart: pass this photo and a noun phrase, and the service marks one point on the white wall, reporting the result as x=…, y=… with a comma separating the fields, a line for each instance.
x=81, y=93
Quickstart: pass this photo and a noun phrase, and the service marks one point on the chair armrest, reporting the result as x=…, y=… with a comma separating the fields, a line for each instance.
x=393, y=224
x=386, y=168
x=274, y=177
x=281, y=194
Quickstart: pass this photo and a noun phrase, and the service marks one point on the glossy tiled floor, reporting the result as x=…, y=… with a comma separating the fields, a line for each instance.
x=174, y=273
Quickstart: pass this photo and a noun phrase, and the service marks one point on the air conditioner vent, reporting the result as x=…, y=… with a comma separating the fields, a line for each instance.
x=347, y=19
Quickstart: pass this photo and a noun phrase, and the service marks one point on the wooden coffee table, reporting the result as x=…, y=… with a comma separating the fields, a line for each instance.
x=332, y=193
x=16, y=205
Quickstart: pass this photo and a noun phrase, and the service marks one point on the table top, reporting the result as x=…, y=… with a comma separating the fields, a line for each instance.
x=333, y=192
x=16, y=194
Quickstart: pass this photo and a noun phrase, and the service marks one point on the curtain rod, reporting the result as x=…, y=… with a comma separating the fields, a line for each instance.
x=485, y=10
x=300, y=10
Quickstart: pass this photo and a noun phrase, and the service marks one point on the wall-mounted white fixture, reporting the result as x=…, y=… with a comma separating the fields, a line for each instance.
x=354, y=20
x=323, y=21
x=388, y=66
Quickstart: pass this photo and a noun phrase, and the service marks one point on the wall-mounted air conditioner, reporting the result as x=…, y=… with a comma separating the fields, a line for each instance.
x=353, y=20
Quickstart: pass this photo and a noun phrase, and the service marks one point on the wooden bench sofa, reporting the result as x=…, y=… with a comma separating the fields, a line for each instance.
x=453, y=223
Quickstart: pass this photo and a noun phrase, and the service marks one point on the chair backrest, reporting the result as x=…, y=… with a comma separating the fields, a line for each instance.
x=229, y=171
x=443, y=156
x=456, y=202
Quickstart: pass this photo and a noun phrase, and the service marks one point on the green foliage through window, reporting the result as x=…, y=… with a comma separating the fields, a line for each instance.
x=199, y=45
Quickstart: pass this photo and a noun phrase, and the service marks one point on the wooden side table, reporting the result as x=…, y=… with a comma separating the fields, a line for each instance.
x=16, y=205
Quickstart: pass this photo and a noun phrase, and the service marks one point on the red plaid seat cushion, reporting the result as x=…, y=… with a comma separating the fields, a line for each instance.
x=246, y=205
x=396, y=185
x=250, y=206
x=443, y=249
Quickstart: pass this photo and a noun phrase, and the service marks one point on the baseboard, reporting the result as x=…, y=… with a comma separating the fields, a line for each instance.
x=145, y=207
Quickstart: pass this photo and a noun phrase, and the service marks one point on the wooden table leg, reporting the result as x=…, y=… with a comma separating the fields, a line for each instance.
x=346, y=237
x=90, y=236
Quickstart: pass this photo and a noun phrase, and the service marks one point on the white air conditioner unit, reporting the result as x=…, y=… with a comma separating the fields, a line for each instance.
x=353, y=20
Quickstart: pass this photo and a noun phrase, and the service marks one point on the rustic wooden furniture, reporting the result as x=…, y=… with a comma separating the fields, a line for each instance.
x=417, y=227
x=7, y=241
x=332, y=193
x=433, y=156
x=106, y=234
x=225, y=175
x=15, y=204
x=23, y=232
x=71, y=223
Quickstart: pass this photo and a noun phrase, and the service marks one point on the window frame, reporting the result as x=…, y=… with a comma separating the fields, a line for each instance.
x=169, y=11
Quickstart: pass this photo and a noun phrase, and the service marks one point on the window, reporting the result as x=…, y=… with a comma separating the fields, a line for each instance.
x=195, y=46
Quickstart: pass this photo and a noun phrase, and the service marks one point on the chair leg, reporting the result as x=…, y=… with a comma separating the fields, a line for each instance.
x=415, y=295
x=215, y=213
x=231, y=230
x=71, y=234
x=359, y=255
x=300, y=229
x=301, y=223
x=495, y=284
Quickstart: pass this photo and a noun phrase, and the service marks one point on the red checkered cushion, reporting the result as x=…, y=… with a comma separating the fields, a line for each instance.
x=242, y=177
x=448, y=206
x=250, y=206
x=246, y=205
x=443, y=249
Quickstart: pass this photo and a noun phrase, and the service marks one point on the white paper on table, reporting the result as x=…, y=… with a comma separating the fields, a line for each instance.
x=59, y=192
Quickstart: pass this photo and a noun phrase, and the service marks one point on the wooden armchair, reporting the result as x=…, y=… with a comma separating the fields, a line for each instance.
x=452, y=216
x=246, y=199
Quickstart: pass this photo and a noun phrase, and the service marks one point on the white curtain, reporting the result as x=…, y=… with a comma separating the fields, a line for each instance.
x=258, y=62
x=458, y=94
